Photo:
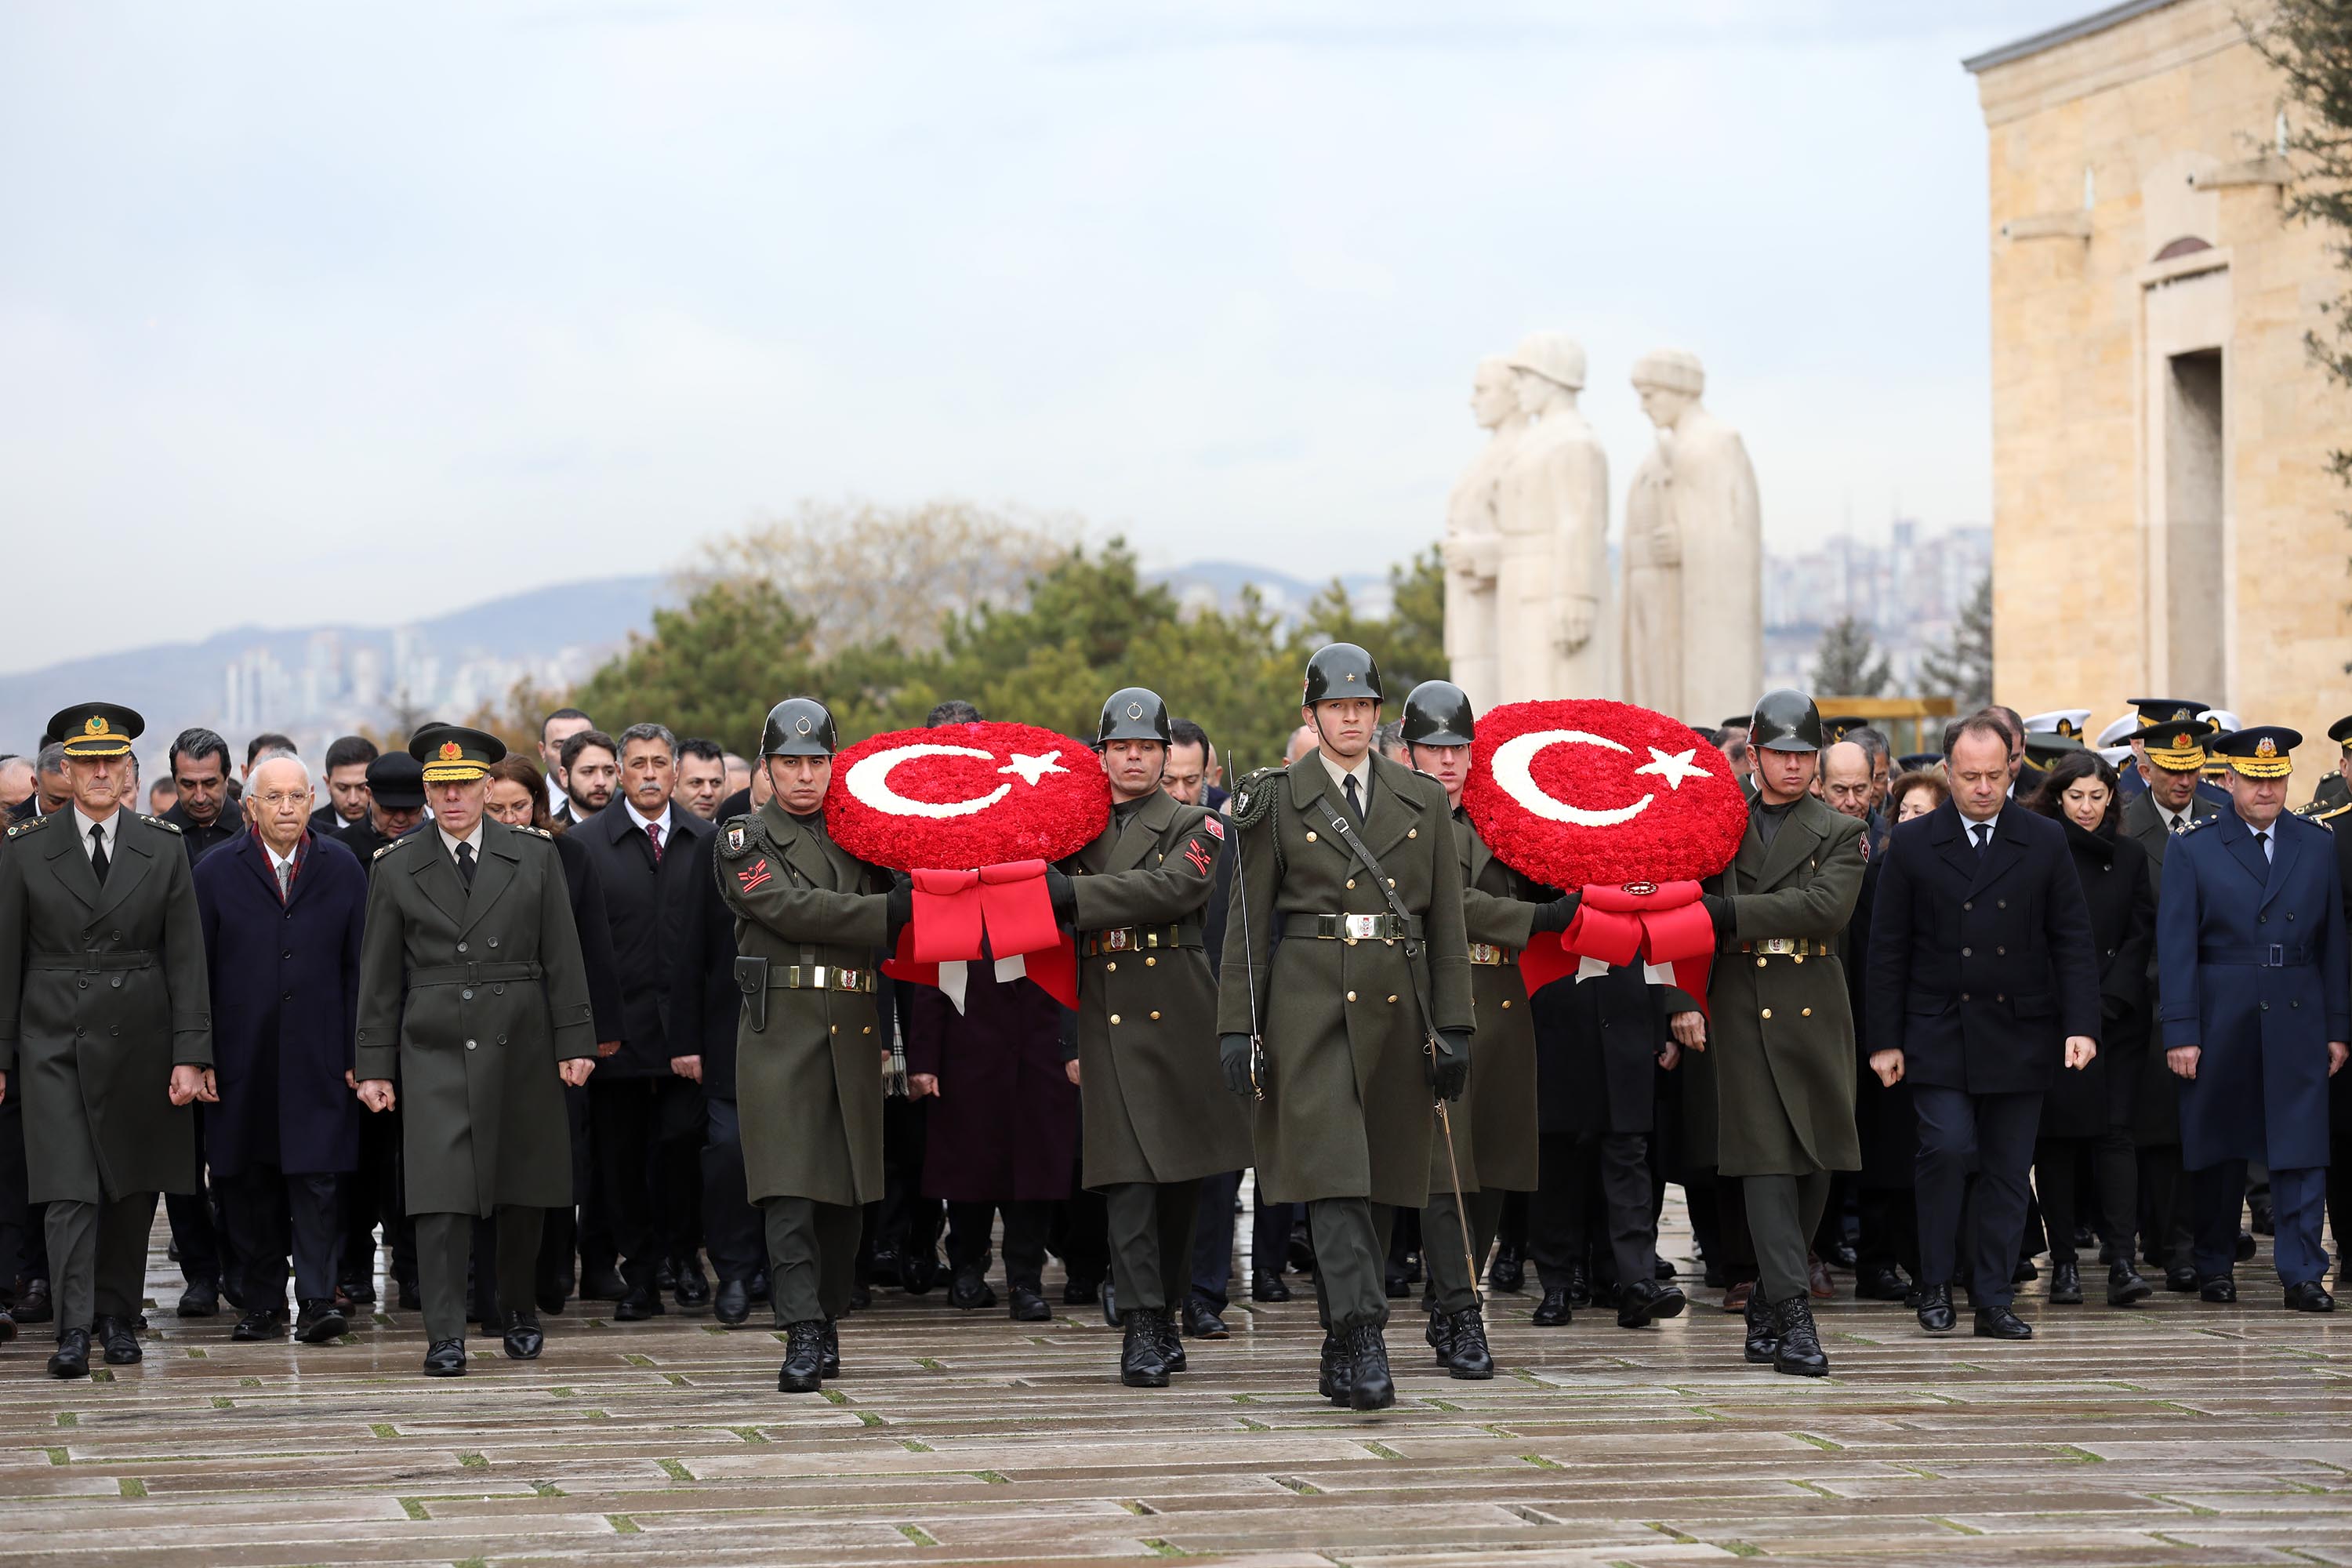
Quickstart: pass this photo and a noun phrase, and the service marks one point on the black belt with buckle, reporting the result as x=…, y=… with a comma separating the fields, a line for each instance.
x=2277, y=955
x=1138, y=939
x=472, y=974
x=1354, y=927
x=818, y=977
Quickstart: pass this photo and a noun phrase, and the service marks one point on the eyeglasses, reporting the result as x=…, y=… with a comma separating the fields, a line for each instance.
x=281, y=797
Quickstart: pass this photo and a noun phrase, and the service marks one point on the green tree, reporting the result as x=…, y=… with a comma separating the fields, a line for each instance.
x=712, y=668
x=1408, y=643
x=1842, y=665
x=1963, y=669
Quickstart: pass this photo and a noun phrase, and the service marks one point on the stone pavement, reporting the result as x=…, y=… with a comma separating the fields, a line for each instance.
x=2176, y=1433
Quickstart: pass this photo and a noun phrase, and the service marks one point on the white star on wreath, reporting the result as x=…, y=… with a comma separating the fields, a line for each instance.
x=1674, y=767
x=1031, y=769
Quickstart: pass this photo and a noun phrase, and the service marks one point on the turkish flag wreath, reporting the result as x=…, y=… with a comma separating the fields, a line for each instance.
x=972, y=813
x=1626, y=805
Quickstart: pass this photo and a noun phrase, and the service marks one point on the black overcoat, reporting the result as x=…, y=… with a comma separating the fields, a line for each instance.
x=642, y=898
x=2121, y=896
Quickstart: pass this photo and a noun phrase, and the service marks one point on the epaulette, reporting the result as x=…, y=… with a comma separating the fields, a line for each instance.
x=541, y=832
x=2311, y=812
x=2201, y=824
x=384, y=849
x=27, y=825
x=739, y=836
x=171, y=827
x=1254, y=796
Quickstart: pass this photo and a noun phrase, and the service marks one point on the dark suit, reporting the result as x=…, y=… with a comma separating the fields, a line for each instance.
x=703, y=1008
x=1980, y=967
x=200, y=1238
x=2156, y=1119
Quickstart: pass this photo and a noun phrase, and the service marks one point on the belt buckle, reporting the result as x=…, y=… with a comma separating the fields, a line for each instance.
x=2278, y=955
x=1114, y=940
x=816, y=977
x=1780, y=944
x=1360, y=926
x=845, y=980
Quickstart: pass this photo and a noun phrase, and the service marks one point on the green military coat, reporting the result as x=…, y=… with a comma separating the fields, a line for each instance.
x=1779, y=1035
x=808, y=1075
x=1495, y=1132
x=102, y=993
x=1348, y=1111
x=470, y=997
x=1154, y=1100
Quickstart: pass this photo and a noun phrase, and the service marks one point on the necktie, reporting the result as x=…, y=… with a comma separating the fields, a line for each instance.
x=284, y=880
x=2261, y=838
x=653, y=832
x=2181, y=823
x=466, y=864
x=1355, y=801
x=1983, y=832
x=98, y=851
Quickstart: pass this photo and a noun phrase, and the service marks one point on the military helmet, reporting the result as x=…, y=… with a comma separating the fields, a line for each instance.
x=1438, y=713
x=799, y=727
x=1785, y=720
x=1341, y=670
x=1132, y=713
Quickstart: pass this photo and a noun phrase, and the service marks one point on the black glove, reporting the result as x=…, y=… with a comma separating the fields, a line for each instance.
x=1065, y=897
x=1234, y=1052
x=1718, y=910
x=1449, y=1065
x=898, y=908
x=1554, y=915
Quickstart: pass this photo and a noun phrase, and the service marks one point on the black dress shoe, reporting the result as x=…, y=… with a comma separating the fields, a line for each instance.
x=1201, y=1321
x=1881, y=1282
x=1467, y=1354
x=2001, y=1323
x=522, y=1338
x=1109, y=1298
x=72, y=1357
x=693, y=1288
x=321, y=1322
x=2310, y=1296
x=1763, y=1341
x=33, y=1303
x=1843, y=1256
x=732, y=1302
x=918, y=1272
x=121, y=1340
x=803, y=1368
x=7, y=1325
x=638, y=1305
x=1797, y=1348
x=1394, y=1283
x=410, y=1301
x=970, y=1291
x=1508, y=1271
x=2180, y=1277
x=1935, y=1309
x=1027, y=1306
x=1142, y=1359
x=359, y=1292
x=2220, y=1288
x=261, y=1323
x=2124, y=1285
x=665, y=1275
x=2065, y=1284
x=1369, y=1386
x=758, y=1285
x=1553, y=1311
x=1646, y=1302
x=861, y=1296
x=1334, y=1369
x=832, y=1348
x=2023, y=1272
x=1662, y=1270
x=200, y=1300
x=1077, y=1292
x=1580, y=1286
x=445, y=1358
x=2245, y=1246
x=602, y=1284
x=1269, y=1287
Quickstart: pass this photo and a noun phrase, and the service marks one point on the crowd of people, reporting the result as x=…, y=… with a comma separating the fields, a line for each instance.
x=493, y=1033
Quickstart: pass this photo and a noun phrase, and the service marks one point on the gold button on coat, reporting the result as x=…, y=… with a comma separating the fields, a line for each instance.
x=1112, y=967
x=1351, y=997
x=1807, y=1013
x=1310, y=835
x=1392, y=1000
x=1768, y=1012
x=1150, y=963
x=1114, y=1017
x=1155, y=1014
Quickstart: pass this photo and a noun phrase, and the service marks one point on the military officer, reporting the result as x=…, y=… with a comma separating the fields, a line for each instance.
x=2335, y=788
x=474, y=996
x=2339, y=820
x=1494, y=1131
x=105, y=1029
x=2250, y=935
x=2172, y=804
x=809, y=917
x=1365, y=1008
x=1155, y=1120
x=1781, y=1029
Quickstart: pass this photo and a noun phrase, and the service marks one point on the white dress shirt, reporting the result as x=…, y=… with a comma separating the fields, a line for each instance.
x=1361, y=772
x=110, y=831
x=1991, y=826
x=450, y=845
x=643, y=822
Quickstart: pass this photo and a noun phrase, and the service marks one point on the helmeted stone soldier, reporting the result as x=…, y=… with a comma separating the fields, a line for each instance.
x=105, y=1029
x=1344, y=1029
x=1156, y=1119
x=809, y=920
x=1494, y=1132
x=474, y=996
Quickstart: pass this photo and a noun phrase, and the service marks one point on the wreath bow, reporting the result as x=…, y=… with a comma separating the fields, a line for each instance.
x=1001, y=913
x=1661, y=924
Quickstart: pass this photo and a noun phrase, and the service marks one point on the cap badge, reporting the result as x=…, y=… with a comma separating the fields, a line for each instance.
x=1135, y=709
x=802, y=724
x=2183, y=743
x=2066, y=728
x=2183, y=713
x=97, y=726
x=2266, y=747
x=451, y=752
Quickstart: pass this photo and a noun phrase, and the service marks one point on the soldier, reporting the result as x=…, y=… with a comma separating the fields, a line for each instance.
x=1153, y=1119
x=809, y=1048
x=2250, y=936
x=103, y=996
x=2335, y=790
x=473, y=995
x=1494, y=1137
x=1344, y=1029
x=1782, y=1030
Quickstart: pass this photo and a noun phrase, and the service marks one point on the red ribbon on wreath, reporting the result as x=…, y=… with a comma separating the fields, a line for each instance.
x=1002, y=913
x=1661, y=924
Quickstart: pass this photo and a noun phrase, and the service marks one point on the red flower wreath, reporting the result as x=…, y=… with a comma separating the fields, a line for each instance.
x=1575, y=794
x=961, y=797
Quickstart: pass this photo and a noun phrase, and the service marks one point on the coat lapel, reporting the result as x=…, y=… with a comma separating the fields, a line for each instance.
x=496, y=870
x=437, y=873
x=1393, y=812
x=133, y=854
x=2248, y=854
x=1141, y=834
x=800, y=849
x=2002, y=855
x=2283, y=851
x=1799, y=837
x=65, y=853
x=256, y=858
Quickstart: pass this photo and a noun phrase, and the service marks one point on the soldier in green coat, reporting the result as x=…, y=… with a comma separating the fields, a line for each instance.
x=1780, y=1024
x=1155, y=1118
x=105, y=1029
x=1343, y=1031
x=1494, y=1136
x=473, y=995
x=810, y=1048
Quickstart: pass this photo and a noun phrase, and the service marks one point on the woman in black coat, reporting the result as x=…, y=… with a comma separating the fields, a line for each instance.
x=2087, y=1119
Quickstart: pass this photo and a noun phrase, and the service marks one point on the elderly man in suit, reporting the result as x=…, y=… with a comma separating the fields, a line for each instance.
x=283, y=908
x=1983, y=980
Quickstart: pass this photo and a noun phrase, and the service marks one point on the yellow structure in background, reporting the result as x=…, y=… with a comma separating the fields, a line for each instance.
x=2164, y=519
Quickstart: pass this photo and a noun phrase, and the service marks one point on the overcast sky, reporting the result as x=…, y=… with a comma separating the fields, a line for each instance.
x=336, y=312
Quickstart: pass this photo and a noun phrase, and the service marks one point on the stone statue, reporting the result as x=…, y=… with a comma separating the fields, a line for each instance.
x=1473, y=548
x=1552, y=514
x=1693, y=595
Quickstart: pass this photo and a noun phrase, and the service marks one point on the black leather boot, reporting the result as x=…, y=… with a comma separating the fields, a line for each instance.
x=1370, y=1387
x=2124, y=1285
x=1337, y=1369
x=1468, y=1355
x=1440, y=1335
x=803, y=1368
x=832, y=1347
x=1141, y=1362
x=1508, y=1271
x=1172, y=1344
x=1763, y=1333
x=1799, y=1350
x=1553, y=1311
